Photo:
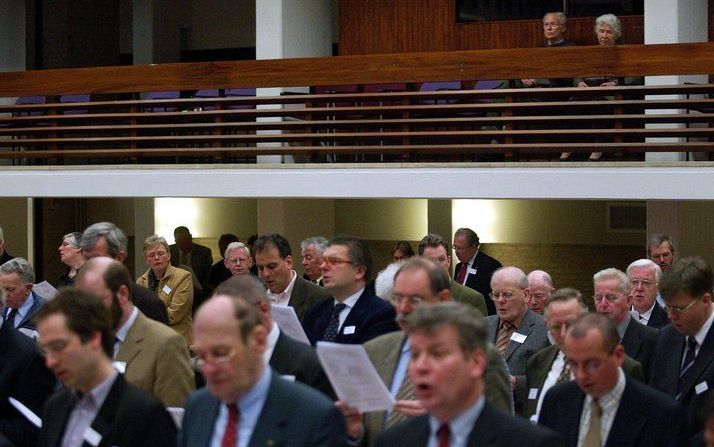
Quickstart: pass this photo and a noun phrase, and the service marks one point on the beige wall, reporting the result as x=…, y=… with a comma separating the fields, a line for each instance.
x=390, y=219
x=13, y=220
x=540, y=222
x=695, y=230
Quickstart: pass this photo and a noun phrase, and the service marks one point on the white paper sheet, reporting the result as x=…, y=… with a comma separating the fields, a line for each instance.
x=353, y=377
x=288, y=322
x=45, y=290
x=177, y=415
x=32, y=417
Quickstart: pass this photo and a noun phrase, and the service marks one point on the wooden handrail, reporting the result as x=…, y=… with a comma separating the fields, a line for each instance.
x=622, y=60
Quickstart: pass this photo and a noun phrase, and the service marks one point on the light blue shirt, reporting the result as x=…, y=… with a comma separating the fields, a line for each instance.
x=249, y=406
x=24, y=309
x=461, y=426
x=85, y=411
x=124, y=329
x=401, y=371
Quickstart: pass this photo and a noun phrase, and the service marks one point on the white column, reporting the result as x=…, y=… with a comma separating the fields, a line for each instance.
x=674, y=21
x=287, y=29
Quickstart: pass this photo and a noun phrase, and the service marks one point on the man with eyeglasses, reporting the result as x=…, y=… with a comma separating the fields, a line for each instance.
x=96, y=406
x=151, y=355
x=549, y=366
x=683, y=366
x=245, y=402
x=517, y=331
x=541, y=287
x=354, y=314
x=237, y=259
x=644, y=275
x=613, y=298
x=603, y=406
x=418, y=282
x=660, y=249
x=274, y=259
x=475, y=267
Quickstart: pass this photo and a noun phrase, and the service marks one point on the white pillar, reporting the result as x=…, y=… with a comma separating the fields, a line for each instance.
x=674, y=21
x=287, y=29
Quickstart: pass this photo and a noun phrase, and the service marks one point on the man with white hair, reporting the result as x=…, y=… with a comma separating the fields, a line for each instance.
x=541, y=286
x=4, y=255
x=613, y=298
x=237, y=259
x=517, y=331
x=311, y=250
x=644, y=276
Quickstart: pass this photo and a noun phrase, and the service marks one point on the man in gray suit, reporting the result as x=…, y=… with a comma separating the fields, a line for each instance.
x=274, y=260
x=245, y=403
x=419, y=281
x=517, y=331
x=22, y=303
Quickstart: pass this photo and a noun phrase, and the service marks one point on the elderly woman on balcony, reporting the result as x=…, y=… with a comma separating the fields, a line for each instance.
x=608, y=30
x=172, y=284
x=70, y=255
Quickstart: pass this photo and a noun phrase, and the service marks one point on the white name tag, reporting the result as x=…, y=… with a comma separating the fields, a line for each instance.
x=518, y=338
x=92, y=437
x=471, y=271
x=288, y=377
x=533, y=394
x=166, y=290
x=348, y=330
x=702, y=387
x=120, y=367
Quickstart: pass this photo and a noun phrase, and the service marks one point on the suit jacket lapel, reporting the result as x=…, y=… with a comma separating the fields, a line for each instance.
x=56, y=425
x=632, y=340
x=672, y=348
x=525, y=328
x=103, y=424
x=273, y=416
x=543, y=368
x=704, y=358
x=297, y=296
x=485, y=430
x=133, y=341
x=629, y=420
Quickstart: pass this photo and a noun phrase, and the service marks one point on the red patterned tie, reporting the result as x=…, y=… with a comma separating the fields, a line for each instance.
x=444, y=433
x=461, y=276
x=230, y=436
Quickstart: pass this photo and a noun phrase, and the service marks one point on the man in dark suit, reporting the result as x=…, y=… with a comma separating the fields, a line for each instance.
x=22, y=303
x=644, y=276
x=683, y=365
x=549, y=366
x=355, y=314
x=196, y=256
x=419, y=277
x=604, y=407
x=448, y=343
x=288, y=357
x=613, y=299
x=23, y=376
x=151, y=355
x=219, y=271
x=274, y=259
x=475, y=267
x=97, y=407
x=517, y=331
x=230, y=341
x=106, y=239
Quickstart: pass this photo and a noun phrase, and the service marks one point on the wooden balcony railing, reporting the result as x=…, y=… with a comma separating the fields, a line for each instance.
x=479, y=125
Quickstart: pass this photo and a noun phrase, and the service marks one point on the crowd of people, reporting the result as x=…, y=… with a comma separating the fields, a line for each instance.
x=486, y=355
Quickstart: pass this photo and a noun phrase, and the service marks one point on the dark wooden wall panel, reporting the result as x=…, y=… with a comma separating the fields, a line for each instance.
x=398, y=26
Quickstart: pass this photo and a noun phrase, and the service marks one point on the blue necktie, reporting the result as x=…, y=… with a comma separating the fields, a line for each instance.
x=332, y=328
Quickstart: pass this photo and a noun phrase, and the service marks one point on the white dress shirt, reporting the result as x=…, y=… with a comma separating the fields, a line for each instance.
x=609, y=404
x=283, y=298
x=349, y=304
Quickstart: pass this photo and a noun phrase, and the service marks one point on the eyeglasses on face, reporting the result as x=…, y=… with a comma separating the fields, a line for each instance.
x=398, y=298
x=508, y=295
x=332, y=262
x=680, y=309
x=216, y=359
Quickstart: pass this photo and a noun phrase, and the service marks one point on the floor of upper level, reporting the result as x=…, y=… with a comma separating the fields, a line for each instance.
x=533, y=180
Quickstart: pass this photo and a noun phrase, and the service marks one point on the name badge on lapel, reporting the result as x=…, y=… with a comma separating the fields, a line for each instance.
x=349, y=330
x=518, y=338
x=701, y=387
x=92, y=437
x=166, y=290
x=533, y=394
x=471, y=271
